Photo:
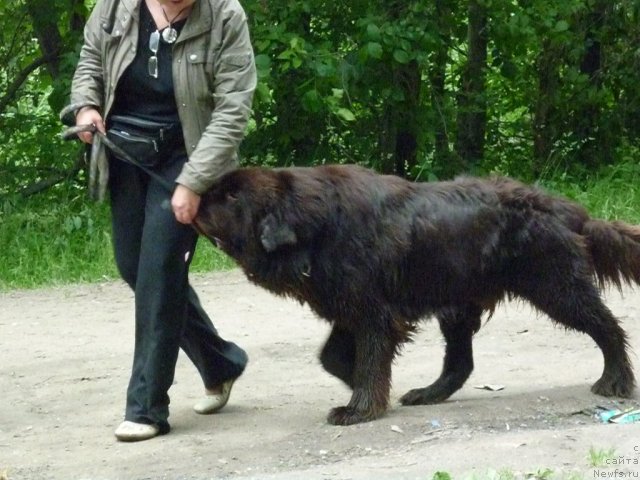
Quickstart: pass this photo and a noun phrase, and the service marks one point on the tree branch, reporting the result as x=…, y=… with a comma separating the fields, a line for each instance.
x=19, y=79
x=54, y=179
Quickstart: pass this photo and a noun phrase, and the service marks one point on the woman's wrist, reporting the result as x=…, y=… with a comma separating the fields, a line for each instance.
x=84, y=109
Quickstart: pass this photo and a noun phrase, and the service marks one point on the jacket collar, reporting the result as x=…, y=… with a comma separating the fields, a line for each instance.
x=200, y=19
x=132, y=7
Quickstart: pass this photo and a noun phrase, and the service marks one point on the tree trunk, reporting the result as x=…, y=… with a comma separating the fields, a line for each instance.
x=472, y=110
x=408, y=79
x=78, y=16
x=544, y=121
x=444, y=161
x=399, y=138
x=399, y=142
x=44, y=16
x=595, y=139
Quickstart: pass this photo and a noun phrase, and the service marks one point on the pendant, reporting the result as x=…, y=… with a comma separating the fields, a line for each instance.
x=169, y=34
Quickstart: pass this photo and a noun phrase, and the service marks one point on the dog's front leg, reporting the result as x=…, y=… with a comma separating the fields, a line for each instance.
x=371, y=380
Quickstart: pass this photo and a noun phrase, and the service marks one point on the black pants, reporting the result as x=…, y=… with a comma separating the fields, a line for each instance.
x=153, y=252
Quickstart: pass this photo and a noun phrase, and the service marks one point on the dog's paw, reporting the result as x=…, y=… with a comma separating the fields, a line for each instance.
x=619, y=386
x=424, y=396
x=347, y=416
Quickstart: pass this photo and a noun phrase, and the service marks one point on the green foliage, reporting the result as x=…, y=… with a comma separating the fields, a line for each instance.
x=332, y=87
x=326, y=71
x=507, y=474
x=612, y=192
x=542, y=51
x=441, y=476
x=335, y=84
x=32, y=91
x=598, y=457
x=31, y=149
x=52, y=239
x=60, y=238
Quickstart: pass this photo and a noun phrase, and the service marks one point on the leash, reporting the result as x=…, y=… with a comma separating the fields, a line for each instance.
x=71, y=132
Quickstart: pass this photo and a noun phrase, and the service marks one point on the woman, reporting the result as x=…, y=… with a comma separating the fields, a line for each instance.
x=188, y=66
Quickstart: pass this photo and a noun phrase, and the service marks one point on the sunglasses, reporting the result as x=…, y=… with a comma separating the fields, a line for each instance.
x=154, y=43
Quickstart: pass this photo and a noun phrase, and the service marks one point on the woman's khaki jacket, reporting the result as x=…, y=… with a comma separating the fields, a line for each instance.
x=214, y=79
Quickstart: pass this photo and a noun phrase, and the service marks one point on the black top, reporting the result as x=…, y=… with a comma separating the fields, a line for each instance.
x=137, y=92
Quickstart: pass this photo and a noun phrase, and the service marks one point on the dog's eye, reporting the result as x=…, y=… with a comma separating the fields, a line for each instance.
x=231, y=197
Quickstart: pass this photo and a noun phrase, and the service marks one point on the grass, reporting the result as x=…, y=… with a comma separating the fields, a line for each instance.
x=61, y=238
x=506, y=474
x=598, y=457
x=58, y=239
x=611, y=193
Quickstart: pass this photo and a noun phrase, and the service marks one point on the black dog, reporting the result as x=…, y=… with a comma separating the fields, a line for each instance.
x=375, y=254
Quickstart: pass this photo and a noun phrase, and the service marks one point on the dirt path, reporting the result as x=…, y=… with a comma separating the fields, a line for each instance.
x=64, y=364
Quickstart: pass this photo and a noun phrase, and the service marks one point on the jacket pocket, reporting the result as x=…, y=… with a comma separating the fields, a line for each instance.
x=196, y=57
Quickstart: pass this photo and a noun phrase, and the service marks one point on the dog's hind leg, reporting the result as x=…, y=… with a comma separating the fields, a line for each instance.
x=370, y=378
x=564, y=290
x=458, y=325
x=338, y=355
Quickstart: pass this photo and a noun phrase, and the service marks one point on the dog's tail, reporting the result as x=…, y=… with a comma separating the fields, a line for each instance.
x=615, y=251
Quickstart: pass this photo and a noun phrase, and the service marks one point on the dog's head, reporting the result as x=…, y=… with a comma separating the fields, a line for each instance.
x=240, y=213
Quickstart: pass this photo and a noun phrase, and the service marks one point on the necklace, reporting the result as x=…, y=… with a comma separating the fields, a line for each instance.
x=169, y=34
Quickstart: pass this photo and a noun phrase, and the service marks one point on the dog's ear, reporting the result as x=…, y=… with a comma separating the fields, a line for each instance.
x=275, y=234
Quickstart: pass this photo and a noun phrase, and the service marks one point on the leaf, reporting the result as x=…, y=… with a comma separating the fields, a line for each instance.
x=311, y=101
x=346, y=115
x=263, y=62
x=401, y=56
x=374, y=50
x=324, y=69
x=263, y=92
x=373, y=32
x=561, y=26
x=263, y=45
x=337, y=93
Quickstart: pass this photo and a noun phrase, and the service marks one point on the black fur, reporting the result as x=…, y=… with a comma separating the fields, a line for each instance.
x=375, y=254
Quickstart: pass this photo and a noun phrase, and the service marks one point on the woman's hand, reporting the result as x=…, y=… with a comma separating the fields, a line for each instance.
x=89, y=116
x=185, y=204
